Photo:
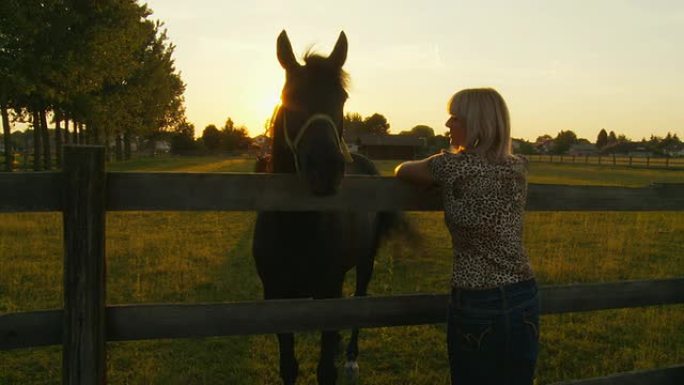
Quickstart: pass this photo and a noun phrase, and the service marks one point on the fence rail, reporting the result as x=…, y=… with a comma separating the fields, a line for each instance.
x=254, y=192
x=155, y=321
x=83, y=192
x=612, y=160
x=673, y=375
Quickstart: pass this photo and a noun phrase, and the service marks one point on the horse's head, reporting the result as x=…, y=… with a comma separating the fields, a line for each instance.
x=311, y=114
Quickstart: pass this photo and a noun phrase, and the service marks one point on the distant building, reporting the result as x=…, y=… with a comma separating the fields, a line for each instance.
x=583, y=149
x=385, y=146
x=544, y=146
x=635, y=149
x=515, y=144
x=162, y=146
x=640, y=154
x=677, y=153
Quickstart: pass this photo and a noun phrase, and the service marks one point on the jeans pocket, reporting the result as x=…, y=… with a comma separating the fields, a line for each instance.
x=471, y=332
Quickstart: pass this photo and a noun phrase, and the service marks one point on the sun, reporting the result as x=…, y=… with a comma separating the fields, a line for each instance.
x=261, y=99
x=269, y=103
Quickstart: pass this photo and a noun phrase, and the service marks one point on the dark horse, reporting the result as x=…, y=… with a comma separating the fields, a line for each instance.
x=306, y=254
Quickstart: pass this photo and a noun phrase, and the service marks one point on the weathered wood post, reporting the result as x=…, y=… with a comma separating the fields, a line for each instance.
x=83, y=339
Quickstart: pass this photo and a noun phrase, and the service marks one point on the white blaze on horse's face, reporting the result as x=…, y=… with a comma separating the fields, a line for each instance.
x=312, y=113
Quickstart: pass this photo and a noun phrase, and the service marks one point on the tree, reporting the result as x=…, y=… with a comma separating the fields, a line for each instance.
x=420, y=131
x=211, y=137
x=9, y=153
x=612, y=138
x=526, y=148
x=670, y=143
x=602, y=139
x=183, y=138
x=103, y=65
x=353, y=124
x=563, y=141
x=234, y=138
x=376, y=124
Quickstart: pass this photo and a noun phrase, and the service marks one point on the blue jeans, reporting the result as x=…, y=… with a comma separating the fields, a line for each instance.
x=493, y=335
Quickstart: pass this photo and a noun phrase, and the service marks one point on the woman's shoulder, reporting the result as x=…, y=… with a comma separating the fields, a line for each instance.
x=517, y=159
x=514, y=163
x=447, y=165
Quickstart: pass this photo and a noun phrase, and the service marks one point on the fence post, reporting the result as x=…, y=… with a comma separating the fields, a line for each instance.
x=83, y=339
x=648, y=161
x=667, y=162
x=630, y=161
x=613, y=159
x=599, y=159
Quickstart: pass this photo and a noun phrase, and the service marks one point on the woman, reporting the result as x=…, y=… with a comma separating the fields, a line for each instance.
x=493, y=323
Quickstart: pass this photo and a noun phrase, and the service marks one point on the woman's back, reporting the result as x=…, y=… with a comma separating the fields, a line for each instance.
x=484, y=205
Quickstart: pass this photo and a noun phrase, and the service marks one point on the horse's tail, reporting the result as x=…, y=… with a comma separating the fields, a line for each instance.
x=388, y=223
x=391, y=223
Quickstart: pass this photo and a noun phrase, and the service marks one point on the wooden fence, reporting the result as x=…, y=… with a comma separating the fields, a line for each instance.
x=83, y=192
x=612, y=160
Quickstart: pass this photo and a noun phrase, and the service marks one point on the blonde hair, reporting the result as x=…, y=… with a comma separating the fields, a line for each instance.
x=485, y=116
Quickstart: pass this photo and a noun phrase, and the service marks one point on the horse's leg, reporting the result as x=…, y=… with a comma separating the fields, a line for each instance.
x=364, y=271
x=289, y=368
x=330, y=339
x=327, y=371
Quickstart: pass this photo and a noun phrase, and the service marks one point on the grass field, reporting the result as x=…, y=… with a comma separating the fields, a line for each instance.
x=205, y=257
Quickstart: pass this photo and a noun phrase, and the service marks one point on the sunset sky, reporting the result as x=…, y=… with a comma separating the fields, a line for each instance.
x=578, y=65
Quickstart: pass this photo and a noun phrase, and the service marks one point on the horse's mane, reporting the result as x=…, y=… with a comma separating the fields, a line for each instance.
x=320, y=63
x=316, y=63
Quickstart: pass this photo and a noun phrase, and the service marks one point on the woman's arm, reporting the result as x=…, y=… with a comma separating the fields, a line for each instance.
x=416, y=172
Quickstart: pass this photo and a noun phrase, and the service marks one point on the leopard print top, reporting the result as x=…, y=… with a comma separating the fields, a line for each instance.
x=484, y=205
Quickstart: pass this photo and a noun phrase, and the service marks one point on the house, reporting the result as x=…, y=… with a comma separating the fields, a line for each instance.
x=583, y=149
x=385, y=146
x=162, y=146
x=677, y=153
x=515, y=144
x=544, y=144
x=640, y=153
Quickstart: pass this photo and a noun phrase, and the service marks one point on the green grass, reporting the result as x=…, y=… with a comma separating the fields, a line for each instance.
x=205, y=257
x=580, y=174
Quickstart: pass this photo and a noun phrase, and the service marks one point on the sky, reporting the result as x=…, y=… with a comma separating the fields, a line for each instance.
x=579, y=65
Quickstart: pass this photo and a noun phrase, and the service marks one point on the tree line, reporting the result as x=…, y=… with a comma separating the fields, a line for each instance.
x=606, y=143
x=99, y=72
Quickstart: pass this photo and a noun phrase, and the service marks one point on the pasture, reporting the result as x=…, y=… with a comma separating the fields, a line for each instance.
x=205, y=257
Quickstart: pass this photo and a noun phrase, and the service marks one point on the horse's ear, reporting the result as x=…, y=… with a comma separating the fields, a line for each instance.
x=339, y=53
x=285, y=55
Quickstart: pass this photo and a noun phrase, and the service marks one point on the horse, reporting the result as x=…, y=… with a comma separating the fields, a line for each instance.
x=307, y=254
